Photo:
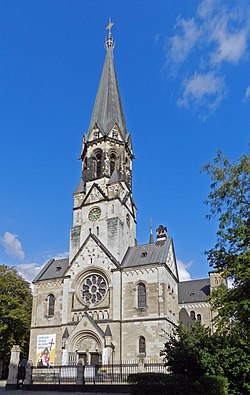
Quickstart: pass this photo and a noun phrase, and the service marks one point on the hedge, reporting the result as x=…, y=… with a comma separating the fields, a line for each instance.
x=167, y=384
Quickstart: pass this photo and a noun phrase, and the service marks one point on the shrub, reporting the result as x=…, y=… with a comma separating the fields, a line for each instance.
x=161, y=383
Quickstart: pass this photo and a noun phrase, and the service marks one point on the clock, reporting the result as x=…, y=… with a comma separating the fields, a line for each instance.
x=128, y=220
x=94, y=214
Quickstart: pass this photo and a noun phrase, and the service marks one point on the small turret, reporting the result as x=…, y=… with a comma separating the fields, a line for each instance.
x=161, y=233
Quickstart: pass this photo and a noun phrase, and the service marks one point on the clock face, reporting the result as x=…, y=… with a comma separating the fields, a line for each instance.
x=94, y=214
x=128, y=220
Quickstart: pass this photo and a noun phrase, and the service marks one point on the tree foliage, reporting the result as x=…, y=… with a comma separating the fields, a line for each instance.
x=15, y=311
x=194, y=352
x=229, y=202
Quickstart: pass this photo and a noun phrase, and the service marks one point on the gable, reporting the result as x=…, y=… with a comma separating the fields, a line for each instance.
x=115, y=133
x=96, y=133
x=171, y=261
x=92, y=253
x=85, y=325
x=94, y=195
x=128, y=201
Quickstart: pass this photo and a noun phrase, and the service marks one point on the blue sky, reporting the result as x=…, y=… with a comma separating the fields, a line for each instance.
x=184, y=74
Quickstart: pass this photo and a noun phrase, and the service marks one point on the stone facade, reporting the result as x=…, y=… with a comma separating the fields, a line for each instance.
x=111, y=300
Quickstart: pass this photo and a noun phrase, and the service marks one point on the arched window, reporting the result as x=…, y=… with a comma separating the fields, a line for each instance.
x=141, y=295
x=112, y=160
x=51, y=304
x=198, y=317
x=142, y=345
x=192, y=315
x=98, y=164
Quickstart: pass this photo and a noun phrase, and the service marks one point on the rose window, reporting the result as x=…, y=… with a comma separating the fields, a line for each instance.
x=94, y=288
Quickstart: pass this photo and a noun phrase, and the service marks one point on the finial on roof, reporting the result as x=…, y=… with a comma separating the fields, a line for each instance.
x=151, y=237
x=109, y=42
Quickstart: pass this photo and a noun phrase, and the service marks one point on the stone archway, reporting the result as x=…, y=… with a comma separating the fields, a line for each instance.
x=88, y=348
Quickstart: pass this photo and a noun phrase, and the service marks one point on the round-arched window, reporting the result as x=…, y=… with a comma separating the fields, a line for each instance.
x=51, y=304
x=97, y=159
x=142, y=345
x=113, y=159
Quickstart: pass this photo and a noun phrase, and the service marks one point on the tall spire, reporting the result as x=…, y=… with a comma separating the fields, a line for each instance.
x=108, y=109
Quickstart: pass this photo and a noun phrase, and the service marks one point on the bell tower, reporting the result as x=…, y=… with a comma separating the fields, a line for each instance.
x=103, y=201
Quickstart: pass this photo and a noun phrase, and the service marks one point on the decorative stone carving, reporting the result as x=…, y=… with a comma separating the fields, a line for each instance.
x=86, y=344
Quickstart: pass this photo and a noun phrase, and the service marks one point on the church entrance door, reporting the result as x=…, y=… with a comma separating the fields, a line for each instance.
x=82, y=357
x=94, y=358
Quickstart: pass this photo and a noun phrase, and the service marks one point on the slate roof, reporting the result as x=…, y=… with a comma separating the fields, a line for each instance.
x=115, y=177
x=194, y=290
x=147, y=254
x=54, y=268
x=81, y=186
x=108, y=109
x=108, y=331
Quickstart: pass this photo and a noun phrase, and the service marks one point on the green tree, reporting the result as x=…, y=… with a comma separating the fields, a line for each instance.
x=15, y=311
x=194, y=352
x=229, y=202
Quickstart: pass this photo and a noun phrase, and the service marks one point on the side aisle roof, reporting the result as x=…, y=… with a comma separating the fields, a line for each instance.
x=54, y=268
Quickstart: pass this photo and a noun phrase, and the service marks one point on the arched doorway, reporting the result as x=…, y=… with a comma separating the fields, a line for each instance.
x=88, y=349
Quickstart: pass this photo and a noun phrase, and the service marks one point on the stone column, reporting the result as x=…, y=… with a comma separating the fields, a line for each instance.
x=79, y=379
x=28, y=374
x=141, y=365
x=13, y=368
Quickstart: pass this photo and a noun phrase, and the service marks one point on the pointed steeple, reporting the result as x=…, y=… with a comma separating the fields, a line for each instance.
x=107, y=109
x=151, y=237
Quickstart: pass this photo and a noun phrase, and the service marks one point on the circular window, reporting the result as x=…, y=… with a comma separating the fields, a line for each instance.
x=94, y=288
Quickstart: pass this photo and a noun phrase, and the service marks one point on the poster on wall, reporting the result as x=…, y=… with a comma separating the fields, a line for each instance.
x=45, y=350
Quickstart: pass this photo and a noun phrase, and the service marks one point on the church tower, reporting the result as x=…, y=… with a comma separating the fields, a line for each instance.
x=103, y=201
x=111, y=299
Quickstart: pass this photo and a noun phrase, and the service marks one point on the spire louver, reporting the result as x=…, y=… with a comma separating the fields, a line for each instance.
x=107, y=109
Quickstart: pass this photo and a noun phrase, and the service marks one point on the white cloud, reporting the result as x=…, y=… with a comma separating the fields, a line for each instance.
x=230, y=47
x=205, y=9
x=203, y=89
x=247, y=93
x=184, y=274
x=216, y=34
x=12, y=245
x=29, y=270
x=61, y=255
x=182, y=43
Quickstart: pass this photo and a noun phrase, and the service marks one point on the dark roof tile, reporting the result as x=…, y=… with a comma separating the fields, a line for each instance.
x=194, y=290
x=54, y=268
x=147, y=254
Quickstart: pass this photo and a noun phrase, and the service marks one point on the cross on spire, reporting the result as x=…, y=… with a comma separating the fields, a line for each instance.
x=109, y=27
x=109, y=42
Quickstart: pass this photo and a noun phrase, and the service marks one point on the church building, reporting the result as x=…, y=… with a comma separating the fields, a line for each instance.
x=112, y=299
